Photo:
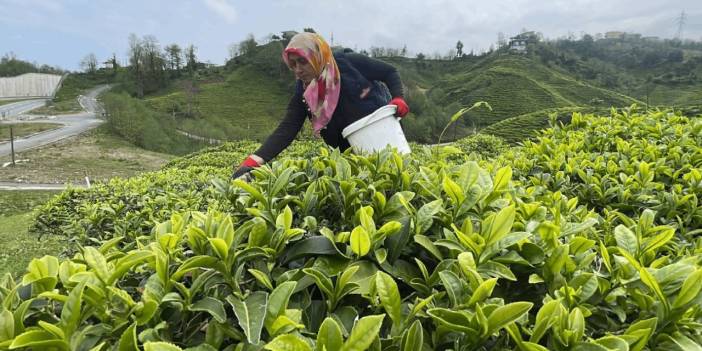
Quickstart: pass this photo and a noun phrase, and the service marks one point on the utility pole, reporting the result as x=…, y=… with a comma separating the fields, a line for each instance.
x=681, y=25
x=12, y=145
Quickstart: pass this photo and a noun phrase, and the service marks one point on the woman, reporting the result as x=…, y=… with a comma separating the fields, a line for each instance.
x=333, y=91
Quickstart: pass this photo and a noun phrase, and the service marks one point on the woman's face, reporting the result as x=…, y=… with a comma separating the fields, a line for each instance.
x=302, y=68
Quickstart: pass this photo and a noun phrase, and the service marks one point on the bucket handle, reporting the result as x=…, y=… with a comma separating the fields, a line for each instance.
x=396, y=118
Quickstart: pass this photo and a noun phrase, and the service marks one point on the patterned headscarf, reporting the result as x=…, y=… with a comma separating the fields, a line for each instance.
x=322, y=93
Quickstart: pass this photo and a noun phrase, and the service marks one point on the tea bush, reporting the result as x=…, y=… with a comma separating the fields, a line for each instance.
x=587, y=238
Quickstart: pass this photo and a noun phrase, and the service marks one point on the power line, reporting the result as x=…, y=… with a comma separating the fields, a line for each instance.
x=681, y=25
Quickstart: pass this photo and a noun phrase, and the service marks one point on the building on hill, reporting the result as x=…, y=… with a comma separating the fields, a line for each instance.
x=614, y=35
x=519, y=42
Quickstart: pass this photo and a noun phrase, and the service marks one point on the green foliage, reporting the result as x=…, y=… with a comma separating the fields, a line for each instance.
x=18, y=247
x=11, y=66
x=485, y=145
x=227, y=106
x=232, y=109
x=513, y=85
x=462, y=112
x=656, y=71
x=131, y=119
x=20, y=130
x=516, y=129
x=622, y=164
x=17, y=202
x=74, y=85
x=585, y=238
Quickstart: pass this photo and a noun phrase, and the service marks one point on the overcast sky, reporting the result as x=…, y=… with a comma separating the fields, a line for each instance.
x=61, y=33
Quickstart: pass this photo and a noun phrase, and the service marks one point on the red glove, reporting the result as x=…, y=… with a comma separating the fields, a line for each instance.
x=402, y=108
x=250, y=162
x=245, y=167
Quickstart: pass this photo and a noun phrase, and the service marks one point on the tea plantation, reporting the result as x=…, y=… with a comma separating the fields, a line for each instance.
x=587, y=237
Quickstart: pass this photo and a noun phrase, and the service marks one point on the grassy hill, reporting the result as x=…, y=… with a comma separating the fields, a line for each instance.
x=243, y=105
x=247, y=97
x=515, y=85
x=675, y=95
x=518, y=128
x=248, y=101
x=663, y=72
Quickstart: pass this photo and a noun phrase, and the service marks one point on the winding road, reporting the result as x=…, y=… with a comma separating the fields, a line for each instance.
x=7, y=112
x=35, y=186
x=73, y=124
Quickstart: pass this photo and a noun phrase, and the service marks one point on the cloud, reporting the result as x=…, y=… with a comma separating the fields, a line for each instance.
x=51, y=6
x=102, y=26
x=223, y=8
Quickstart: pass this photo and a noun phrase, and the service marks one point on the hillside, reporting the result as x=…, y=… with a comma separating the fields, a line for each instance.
x=245, y=104
x=662, y=72
x=248, y=98
x=514, y=85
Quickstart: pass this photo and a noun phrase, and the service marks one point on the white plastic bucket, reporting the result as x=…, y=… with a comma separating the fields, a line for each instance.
x=377, y=131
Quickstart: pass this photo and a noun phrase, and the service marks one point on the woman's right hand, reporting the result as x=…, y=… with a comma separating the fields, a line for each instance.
x=242, y=172
x=248, y=165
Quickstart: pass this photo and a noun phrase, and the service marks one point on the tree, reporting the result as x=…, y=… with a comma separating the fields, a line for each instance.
x=191, y=90
x=403, y=52
x=501, y=41
x=89, y=64
x=175, y=57
x=10, y=66
x=450, y=55
x=248, y=45
x=9, y=56
x=459, y=49
x=287, y=35
x=154, y=67
x=233, y=50
x=136, y=53
x=308, y=30
x=675, y=55
x=191, y=58
x=115, y=65
x=421, y=60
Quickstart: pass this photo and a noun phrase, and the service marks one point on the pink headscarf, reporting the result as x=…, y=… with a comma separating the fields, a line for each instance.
x=322, y=93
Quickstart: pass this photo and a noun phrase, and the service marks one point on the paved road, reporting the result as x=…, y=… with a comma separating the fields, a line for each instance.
x=15, y=109
x=73, y=124
x=36, y=186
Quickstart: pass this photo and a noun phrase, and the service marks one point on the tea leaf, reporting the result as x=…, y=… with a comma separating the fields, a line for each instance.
x=360, y=241
x=363, y=333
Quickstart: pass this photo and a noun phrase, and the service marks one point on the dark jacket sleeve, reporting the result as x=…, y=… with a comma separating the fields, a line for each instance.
x=286, y=130
x=374, y=69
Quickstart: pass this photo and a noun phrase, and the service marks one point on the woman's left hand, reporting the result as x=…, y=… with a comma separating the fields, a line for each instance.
x=402, y=108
